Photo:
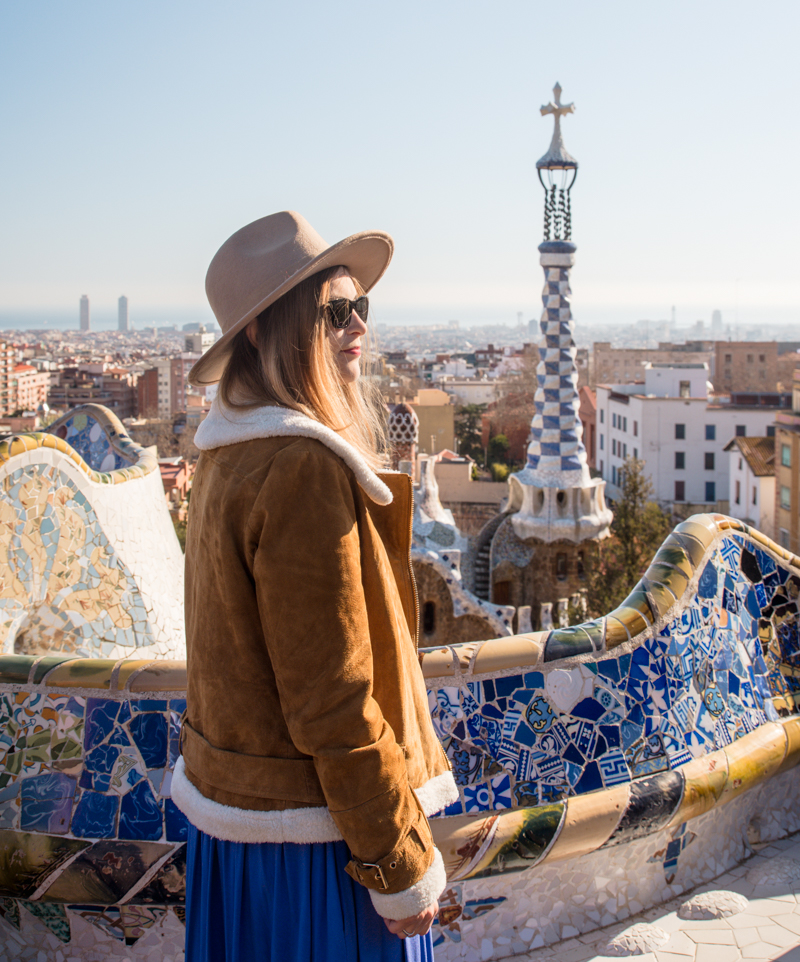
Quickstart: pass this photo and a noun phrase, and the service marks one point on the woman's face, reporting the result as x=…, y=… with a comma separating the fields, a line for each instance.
x=347, y=343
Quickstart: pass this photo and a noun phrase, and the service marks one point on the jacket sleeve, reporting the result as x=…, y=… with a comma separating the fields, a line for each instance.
x=307, y=572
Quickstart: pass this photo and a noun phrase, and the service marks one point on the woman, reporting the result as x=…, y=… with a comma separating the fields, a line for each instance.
x=308, y=750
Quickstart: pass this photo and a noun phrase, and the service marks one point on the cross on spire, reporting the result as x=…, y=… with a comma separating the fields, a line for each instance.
x=557, y=156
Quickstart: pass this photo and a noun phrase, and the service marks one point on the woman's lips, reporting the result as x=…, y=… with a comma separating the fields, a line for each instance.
x=352, y=351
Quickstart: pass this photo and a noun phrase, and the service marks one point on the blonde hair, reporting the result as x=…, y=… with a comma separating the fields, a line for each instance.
x=293, y=364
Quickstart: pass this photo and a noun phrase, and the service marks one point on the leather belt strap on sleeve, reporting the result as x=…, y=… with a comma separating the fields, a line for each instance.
x=258, y=776
x=383, y=875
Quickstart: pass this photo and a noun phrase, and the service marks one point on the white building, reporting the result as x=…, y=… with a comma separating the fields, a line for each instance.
x=469, y=390
x=199, y=341
x=680, y=431
x=752, y=484
x=85, y=322
x=122, y=314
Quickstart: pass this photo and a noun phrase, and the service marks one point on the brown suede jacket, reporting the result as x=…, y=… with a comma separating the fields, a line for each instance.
x=307, y=714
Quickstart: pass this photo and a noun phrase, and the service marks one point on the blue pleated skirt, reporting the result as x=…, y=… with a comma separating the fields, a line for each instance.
x=265, y=902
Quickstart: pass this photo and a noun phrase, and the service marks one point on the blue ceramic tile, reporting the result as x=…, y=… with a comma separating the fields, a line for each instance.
x=140, y=814
x=149, y=731
x=95, y=816
x=101, y=713
x=46, y=803
x=174, y=821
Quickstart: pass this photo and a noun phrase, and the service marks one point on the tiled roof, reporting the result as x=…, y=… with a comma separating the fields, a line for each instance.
x=759, y=454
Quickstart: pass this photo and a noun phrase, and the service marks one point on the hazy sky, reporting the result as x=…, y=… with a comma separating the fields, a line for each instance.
x=138, y=136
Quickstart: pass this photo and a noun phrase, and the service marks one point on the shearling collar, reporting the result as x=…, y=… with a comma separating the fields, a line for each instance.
x=228, y=426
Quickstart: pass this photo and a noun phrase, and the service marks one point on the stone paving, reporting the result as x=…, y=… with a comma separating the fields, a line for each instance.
x=750, y=913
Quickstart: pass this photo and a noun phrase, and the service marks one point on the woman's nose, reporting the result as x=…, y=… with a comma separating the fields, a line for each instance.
x=356, y=325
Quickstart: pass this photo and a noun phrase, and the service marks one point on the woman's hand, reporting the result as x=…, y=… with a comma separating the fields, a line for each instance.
x=415, y=925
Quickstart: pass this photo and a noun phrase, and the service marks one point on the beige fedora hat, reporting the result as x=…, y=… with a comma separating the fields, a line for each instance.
x=262, y=261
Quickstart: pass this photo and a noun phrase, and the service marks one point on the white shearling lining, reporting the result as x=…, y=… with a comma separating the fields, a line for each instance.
x=412, y=901
x=231, y=824
x=229, y=426
x=297, y=825
x=437, y=793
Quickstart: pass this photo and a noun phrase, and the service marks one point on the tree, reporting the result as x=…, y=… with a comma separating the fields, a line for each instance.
x=498, y=449
x=637, y=532
x=468, y=430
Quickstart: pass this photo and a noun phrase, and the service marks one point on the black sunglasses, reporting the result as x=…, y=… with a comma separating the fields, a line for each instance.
x=340, y=311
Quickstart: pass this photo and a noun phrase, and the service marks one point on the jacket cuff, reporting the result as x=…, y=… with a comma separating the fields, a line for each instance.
x=412, y=901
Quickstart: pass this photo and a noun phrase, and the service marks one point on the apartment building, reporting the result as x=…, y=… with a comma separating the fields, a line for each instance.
x=29, y=387
x=745, y=366
x=787, y=472
x=679, y=429
x=751, y=494
x=625, y=365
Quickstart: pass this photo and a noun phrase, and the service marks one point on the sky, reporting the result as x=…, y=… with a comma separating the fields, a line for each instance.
x=137, y=137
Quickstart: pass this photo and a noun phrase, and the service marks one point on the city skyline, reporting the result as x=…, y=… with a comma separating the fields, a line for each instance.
x=669, y=207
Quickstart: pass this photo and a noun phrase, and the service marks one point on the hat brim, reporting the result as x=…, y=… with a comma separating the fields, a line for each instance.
x=366, y=255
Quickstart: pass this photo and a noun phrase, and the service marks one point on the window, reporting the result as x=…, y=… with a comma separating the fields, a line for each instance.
x=636, y=429
x=741, y=430
x=784, y=538
x=770, y=430
x=613, y=420
x=613, y=474
x=581, y=566
x=614, y=447
x=624, y=424
x=738, y=496
x=561, y=566
x=602, y=467
x=680, y=460
x=429, y=617
x=711, y=432
x=762, y=358
x=602, y=441
x=680, y=490
x=728, y=358
x=786, y=455
x=685, y=389
x=680, y=432
x=755, y=494
x=624, y=450
x=711, y=491
x=749, y=358
x=602, y=416
x=636, y=453
x=786, y=498
x=740, y=464
x=709, y=459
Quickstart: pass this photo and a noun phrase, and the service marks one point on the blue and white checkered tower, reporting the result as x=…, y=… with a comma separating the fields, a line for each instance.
x=555, y=495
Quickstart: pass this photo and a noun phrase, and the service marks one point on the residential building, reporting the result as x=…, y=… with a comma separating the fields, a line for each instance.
x=745, y=366
x=470, y=390
x=84, y=313
x=199, y=341
x=147, y=393
x=122, y=314
x=29, y=387
x=121, y=386
x=752, y=486
x=436, y=413
x=588, y=417
x=679, y=429
x=625, y=365
x=787, y=472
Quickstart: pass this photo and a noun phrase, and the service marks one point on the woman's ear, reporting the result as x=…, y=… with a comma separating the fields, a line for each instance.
x=252, y=332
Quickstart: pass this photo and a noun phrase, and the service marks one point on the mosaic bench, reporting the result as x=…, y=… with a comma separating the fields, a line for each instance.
x=602, y=768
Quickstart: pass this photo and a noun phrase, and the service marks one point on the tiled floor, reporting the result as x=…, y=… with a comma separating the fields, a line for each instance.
x=768, y=928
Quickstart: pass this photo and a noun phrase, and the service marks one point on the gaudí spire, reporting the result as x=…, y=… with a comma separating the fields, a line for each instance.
x=554, y=495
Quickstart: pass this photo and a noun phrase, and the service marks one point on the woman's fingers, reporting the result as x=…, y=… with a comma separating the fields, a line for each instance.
x=414, y=925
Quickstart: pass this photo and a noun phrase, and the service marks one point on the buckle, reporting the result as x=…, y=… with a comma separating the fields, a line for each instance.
x=380, y=877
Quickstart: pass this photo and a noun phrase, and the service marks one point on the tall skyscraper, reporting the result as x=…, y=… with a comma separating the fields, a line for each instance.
x=122, y=316
x=85, y=323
